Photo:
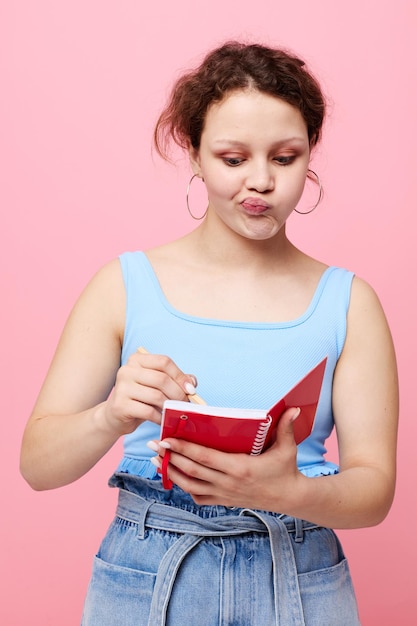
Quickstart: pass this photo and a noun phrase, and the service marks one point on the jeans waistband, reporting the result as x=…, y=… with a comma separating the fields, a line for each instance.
x=152, y=514
x=193, y=528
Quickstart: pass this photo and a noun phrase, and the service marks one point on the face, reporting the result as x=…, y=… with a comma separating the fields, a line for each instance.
x=253, y=157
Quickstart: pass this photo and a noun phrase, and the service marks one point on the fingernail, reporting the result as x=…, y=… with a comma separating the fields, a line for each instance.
x=165, y=444
x=296, y=414
x=153, y=446
x=155, y=461
x=190, y=389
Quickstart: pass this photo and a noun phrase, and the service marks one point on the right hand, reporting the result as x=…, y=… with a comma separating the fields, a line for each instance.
x=142, y=385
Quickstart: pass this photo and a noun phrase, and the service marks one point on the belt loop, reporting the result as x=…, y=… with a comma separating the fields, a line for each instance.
x=299, y=530
x=142, y=519
x=142, y=507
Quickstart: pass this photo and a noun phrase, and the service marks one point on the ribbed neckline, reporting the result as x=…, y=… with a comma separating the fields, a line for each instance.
x=233, y=323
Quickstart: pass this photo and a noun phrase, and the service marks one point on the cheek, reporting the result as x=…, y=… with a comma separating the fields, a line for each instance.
x=223, y=187
x=299, y=189
x=297, y=183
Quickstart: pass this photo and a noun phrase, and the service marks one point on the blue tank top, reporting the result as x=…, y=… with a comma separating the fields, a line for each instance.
x=237, y=364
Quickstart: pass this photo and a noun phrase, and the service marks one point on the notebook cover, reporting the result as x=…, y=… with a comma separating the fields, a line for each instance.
x=235, y=434
x=229, y=434
x=305, y=395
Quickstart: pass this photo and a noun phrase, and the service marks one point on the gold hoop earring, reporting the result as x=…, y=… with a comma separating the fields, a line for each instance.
x=187, y=201
x=310, y=174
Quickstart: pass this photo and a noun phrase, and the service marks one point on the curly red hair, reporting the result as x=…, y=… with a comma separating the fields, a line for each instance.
x=231, y=67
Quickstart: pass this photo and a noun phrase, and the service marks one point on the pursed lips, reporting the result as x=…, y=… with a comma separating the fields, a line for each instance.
x=255, y=205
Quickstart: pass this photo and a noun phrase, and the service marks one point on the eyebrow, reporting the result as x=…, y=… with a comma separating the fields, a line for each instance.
x=234, y=142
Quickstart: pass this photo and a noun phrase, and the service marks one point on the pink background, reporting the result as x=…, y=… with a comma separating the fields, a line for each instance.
x=81, y=85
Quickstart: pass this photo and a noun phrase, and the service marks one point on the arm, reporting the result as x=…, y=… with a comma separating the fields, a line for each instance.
x=365, y=405
x=365, y=399
x=75, y=421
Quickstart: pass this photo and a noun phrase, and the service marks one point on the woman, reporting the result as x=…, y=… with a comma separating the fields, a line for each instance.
x=237, y=305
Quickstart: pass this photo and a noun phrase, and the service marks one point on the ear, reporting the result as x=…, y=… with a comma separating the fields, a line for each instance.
x=194, y=156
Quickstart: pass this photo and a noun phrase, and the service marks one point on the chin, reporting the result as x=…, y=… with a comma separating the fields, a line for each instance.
x=264, y=234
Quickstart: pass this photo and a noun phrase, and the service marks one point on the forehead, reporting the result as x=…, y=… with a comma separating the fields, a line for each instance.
x=252, y=111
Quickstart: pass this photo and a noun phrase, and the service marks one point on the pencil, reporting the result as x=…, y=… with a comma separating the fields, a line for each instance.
x=193, y=397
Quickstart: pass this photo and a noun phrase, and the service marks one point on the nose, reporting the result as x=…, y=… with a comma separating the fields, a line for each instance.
x=260, y=177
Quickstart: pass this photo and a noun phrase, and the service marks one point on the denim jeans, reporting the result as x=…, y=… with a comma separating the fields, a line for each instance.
x=167, y=561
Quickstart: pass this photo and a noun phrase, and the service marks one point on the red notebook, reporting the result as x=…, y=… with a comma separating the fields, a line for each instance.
x=241, y=430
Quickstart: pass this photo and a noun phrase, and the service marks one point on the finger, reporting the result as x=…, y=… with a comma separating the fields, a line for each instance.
x=184, y=454
x=192, y=477
x=163, y=364
x=285, y=429
x=194, y=485
x=153, y=375
x=182, y=463
x=126, y=405
x=140, y=385
x=193, y=379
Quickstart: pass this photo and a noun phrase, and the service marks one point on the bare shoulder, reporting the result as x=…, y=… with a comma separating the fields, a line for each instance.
x=87, y=357
x=109, y=275
x=368, y=338
x=367, y=367
x=107, y=288
x=365, y=310
x=99, y=313
x=362, y=291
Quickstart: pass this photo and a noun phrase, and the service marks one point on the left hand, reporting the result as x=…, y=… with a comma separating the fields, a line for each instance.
x=212, y=477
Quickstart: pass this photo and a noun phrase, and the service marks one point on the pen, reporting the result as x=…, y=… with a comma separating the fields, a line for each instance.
x=193, y=397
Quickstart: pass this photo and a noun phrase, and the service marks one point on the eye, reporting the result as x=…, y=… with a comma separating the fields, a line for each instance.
x=232, y=161
x=285, y=160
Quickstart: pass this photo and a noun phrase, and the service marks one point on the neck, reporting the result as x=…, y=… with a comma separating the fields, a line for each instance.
x=226, y=248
